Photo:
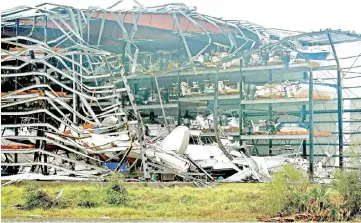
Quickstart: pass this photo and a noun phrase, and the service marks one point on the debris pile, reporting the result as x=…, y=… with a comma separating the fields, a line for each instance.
x=68, y=108
x=64, y=84
x=61, y=102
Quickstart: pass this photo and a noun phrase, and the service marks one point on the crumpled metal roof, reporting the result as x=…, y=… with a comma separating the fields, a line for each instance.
x=166, y=27
x=318, y=37
x=169, y=21
x=321, y=38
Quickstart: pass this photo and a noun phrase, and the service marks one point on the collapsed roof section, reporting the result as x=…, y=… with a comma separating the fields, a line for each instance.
x=173, y=27
x=168, y=28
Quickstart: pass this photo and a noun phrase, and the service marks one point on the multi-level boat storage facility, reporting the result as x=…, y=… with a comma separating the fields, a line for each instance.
x=165, y=93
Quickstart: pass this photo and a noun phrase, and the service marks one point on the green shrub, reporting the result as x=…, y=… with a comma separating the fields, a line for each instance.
x=87, y=199
x=286, y=184
x=35, y=197
x=116, y=192
x=348, y=183
x=291, y=192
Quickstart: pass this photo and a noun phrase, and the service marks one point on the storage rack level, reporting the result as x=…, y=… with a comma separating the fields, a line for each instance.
x=235, y=75
x=231, y=73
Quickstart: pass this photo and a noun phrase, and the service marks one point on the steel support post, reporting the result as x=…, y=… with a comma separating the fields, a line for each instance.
x=339, y=118
x=45, y=29
x=16, y=82
x=215, y=116
x=161, y=103
x=151, y=89
x=215, y=112
x=136, y=88
x=270, y=115
x=81, y=70
x=179, y=90
x=45, y=167
x=303, y=119
x=240, y=114
x=339, y=104
x=311, y=168
x=74, y=88
x=15, y=160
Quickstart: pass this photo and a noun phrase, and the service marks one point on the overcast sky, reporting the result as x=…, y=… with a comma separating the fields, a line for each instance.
x=302, y=15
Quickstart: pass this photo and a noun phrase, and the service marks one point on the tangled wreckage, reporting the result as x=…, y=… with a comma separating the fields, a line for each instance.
x=71, y=106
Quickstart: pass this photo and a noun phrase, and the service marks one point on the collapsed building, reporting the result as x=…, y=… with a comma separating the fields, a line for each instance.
x=89, y=91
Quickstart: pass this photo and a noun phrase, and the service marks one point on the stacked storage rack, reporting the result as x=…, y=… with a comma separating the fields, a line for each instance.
x=322, y=115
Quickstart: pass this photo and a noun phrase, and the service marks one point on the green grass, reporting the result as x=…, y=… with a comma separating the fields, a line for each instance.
x=233, y=202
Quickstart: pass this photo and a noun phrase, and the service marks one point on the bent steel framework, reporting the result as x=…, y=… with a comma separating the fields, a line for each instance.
x=34, y=70
x=70, y=82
